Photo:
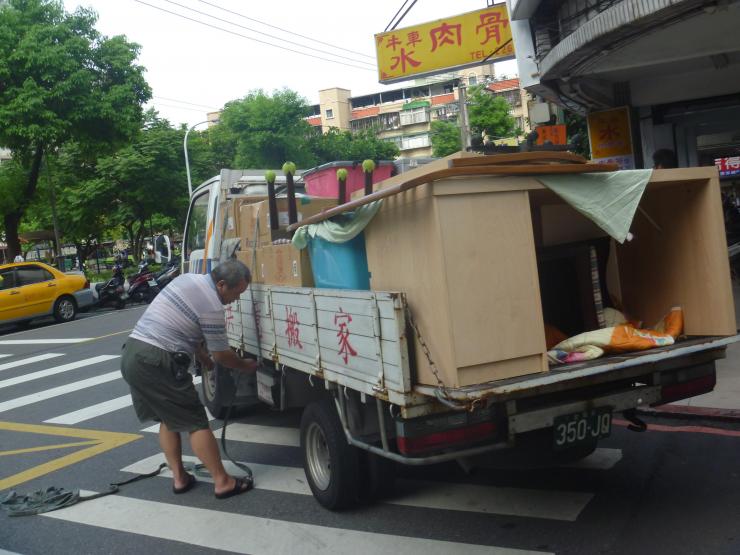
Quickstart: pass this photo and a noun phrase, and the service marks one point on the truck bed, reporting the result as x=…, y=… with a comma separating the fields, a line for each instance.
x=613, y=367
x=357, y=339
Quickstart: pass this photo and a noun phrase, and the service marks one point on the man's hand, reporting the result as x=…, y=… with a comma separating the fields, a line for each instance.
x=205, y=360
x=230, y=359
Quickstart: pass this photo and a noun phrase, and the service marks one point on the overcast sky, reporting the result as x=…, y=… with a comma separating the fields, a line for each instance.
x=194, y=69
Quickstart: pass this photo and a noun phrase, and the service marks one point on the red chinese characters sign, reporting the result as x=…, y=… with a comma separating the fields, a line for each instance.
x=452, y=43
x=342, y=320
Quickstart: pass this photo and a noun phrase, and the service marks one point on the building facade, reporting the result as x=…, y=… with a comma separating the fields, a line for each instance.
x=404, y=116
x=674, y=63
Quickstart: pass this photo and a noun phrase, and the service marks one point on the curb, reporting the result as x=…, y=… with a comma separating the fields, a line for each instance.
x=693, y=413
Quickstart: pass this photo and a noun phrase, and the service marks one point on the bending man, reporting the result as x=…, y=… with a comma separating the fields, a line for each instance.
x=181, y=317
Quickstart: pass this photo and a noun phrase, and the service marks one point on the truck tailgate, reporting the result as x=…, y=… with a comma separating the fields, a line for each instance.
x=611, y=368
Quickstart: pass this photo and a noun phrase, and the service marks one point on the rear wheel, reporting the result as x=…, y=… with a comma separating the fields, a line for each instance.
x=218, y=390
x=65, y=309
x=331, y=464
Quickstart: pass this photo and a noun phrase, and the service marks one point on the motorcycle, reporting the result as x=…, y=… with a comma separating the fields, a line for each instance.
x=111, y=292
x=143, y=286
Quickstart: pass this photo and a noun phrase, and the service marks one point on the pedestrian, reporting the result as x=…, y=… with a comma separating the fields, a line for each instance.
x=18, y=258
x=664, y=158
x=184, y=315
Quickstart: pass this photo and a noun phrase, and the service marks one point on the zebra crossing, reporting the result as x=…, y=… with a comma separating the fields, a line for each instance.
x=157, y=519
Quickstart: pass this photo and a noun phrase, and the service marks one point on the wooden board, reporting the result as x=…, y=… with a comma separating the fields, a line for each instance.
x=685, y=264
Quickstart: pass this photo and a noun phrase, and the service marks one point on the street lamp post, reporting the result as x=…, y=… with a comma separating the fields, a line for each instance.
x=185, y=148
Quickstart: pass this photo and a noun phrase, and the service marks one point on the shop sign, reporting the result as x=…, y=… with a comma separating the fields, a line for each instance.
x=610, y=136
x=728, y=166
x=447, y=44
x=555, y=134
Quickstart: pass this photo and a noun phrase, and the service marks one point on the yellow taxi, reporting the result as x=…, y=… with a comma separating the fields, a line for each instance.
x=31, y=290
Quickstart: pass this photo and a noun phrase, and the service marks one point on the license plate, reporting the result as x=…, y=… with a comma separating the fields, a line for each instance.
x=264, y=392
x=570, y=430
x=152, y=283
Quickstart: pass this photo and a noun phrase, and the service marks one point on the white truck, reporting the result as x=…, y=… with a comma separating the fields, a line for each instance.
x=349, y=358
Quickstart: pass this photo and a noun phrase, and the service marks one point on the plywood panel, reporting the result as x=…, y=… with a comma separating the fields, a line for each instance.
x=491, y=272
x=685, y=264
x=502, y=369
x=403, y=251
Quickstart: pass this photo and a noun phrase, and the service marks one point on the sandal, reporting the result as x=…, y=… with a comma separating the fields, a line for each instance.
x=241, y=485
x=187, y=487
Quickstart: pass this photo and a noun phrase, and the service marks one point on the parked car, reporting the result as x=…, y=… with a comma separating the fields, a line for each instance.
x=31, y=290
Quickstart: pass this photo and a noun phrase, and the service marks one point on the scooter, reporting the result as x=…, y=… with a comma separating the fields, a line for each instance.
x=111, y=292
x=142, y=285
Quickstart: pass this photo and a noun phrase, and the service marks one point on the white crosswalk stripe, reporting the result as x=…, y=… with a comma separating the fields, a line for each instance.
x=57, y=391
x=250, y=534
x=5, y=356
x=88, y=413
x=44, y=341
x=30, y=360
x=546, y=504
x=56, y=370
x=252, y=433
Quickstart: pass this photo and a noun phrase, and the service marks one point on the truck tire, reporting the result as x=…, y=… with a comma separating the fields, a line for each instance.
x=218, y=390
x=378, y=477
x=65, y=309
x=330, y=463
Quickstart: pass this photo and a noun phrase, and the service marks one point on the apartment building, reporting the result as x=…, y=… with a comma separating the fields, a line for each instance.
x=404, y=116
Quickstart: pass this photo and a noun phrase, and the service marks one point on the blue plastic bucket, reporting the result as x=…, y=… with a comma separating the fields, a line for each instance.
x=339, y=265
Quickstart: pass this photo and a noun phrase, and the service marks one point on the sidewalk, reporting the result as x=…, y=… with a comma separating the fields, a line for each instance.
x=724, y=401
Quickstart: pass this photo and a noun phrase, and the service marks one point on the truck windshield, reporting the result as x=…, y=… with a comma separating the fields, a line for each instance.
x=195, y=231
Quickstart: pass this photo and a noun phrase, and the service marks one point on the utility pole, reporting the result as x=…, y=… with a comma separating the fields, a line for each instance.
x=463, y=118
x=60, y=257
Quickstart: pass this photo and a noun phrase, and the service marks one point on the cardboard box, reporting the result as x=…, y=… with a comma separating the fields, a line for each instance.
x=248, y=215
x=256, y=267
x=286, y=265
x=231, y=215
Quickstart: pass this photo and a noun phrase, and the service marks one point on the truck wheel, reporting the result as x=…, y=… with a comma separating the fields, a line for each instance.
x=378, y=477
x=330, y=463
x=218, y=390
x=65, y=309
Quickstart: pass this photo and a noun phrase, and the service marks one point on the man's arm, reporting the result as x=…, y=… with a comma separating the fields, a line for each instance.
x=230, y=359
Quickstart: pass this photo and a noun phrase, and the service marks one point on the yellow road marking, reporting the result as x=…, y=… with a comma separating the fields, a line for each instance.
x=108, y=335
x=48, y=447
x=101, y=442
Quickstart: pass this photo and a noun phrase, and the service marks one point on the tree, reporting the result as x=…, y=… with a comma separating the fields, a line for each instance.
x=60, y=81
x=445, y=138
x=490, y=113
x=144, y=180
x=345, y=145
x=263, y=131
x=577, y=132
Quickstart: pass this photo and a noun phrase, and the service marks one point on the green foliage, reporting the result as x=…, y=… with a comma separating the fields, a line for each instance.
x=342, y=174
x=143, y=180
x=270, y=176
x=344, y=145
x=262, y=131
x=576, y=129
x=445, y=138
x=490, y=113
x=61, y=81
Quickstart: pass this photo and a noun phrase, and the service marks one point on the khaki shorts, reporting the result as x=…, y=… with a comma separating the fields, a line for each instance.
x=157, y=394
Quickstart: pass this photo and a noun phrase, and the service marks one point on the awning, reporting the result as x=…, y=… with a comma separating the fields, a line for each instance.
x=416, y=104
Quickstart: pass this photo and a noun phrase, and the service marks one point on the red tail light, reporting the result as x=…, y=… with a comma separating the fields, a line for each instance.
x=448, y=438
x=87, y=284
x=684, y=390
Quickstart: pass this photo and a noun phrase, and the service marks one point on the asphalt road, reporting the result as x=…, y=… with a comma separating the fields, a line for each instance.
x=65, y=421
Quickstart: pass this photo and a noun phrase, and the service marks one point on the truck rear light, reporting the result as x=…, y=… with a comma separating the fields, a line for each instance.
x=445, y=439
x=691, y=388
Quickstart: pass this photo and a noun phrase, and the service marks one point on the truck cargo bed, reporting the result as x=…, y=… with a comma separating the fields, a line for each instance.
x=610, y=368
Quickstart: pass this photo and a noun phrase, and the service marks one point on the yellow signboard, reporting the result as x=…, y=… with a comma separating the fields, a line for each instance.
x=452, y=43
x=610, y=135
